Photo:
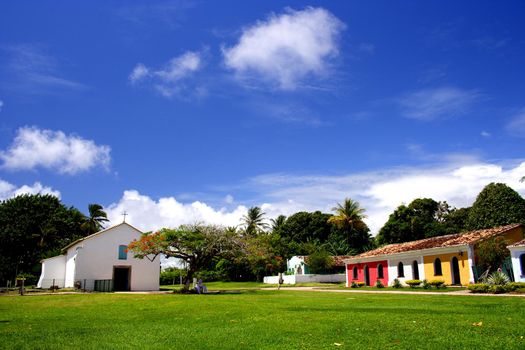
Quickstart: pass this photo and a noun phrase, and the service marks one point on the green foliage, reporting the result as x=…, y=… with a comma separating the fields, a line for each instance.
x=422, y=218
x=498, y=278
x=171, y=276
x=491, y=253
x=497, y=289
x=437, y=283
x=254, y=222
x=320, y=262
x=349, y=217
x=413, y=283
x=96, y=219
x=354, y=285
x=426, y=285
x=379, y=284
x=496, y=205
x=478, y=288
x=396, y=284
x=513, y=286
x=34, y=227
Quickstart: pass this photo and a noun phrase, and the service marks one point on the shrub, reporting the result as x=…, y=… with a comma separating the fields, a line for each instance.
x=516, y=286
x=498, y=278
x=426, y=285
x=396, y=284
x=437, y=283
x=360, y=284
x=379, y=284
x=171, y=276
x=354, y=285
x=413, y=283
x=497, y=289
x=478, y=288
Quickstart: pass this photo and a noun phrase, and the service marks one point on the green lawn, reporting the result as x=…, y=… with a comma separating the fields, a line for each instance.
x=262, y=320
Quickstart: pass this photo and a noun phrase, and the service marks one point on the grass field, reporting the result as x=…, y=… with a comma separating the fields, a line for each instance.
x=262, y=320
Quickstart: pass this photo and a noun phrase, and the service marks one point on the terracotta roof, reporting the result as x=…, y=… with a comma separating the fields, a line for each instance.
x=518, y=244
x=438, y=242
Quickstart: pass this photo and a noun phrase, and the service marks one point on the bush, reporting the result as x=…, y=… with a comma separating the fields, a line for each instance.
x=354, y=285
x=516, y=286
x=498, y=289
x=171, y=276
x=379, y=284
x=498, y=278
x=478, y=288
x=396, y=284
x=437, y=283
x=360, y=284
x=413, y=283
x=426, y=285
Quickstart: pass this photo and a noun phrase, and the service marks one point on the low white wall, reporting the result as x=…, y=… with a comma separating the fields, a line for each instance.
x=53, y=271
x=294, y=279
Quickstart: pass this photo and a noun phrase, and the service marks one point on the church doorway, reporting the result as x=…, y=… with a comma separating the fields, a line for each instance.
x=121, y=278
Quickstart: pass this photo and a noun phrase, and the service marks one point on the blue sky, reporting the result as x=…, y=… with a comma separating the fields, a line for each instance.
x=180, y=111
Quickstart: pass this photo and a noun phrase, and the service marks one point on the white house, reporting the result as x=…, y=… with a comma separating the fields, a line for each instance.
x=517, y=253
x=100, y=262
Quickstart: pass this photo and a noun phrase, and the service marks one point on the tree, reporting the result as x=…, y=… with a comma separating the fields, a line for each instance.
x=492, y=253
x=34, y=227
x=349, y=218
x=254, y=221
x=496, y=205
x=96, y=219
x=320, y=261
x=197, y=245
x=278, y=222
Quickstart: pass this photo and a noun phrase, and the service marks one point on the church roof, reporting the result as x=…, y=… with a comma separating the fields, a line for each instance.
x=98, y=233
x=457, y=239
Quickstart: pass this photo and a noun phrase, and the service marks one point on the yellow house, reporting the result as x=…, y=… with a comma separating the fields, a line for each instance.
x=450, y=258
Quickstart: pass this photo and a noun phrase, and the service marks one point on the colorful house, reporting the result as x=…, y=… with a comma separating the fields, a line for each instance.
x=517, y=253
x=451, y=258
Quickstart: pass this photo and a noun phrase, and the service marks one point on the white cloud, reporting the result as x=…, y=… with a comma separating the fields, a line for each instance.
x=516, y=126
x=169, y=80
x=486, y=134
x=71, y=154
x=439, y=103
x=229, y=199
x=149, y=214
x=286, y=49
x=8, y=190
x=379, y=192
x=1, y=105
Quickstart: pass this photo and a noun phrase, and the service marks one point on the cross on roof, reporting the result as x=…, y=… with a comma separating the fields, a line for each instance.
x=124, y=214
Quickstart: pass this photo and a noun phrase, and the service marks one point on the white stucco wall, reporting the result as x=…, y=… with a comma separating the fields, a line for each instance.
x=293, y=279
x=407, y=268
x=515, y=253
x=100, y=254
x=53, y=270
x=71, y=256
x=294, y=263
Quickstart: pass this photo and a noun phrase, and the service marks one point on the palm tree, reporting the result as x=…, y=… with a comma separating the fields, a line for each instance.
x=348, y=215
x=278, y=222
x=94, y=222
x=254, y=221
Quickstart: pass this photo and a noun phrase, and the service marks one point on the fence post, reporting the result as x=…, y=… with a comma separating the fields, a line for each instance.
x=53, y=285
x=84, y=285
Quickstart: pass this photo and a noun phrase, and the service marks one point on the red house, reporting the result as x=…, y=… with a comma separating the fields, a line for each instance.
x=368, y=272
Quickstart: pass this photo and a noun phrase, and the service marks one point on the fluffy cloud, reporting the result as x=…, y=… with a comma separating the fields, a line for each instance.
x=168, y=80
x=8, y=190
x=1, y=105
x=378, y=192
x=439, y=103
x=71, y=154
x=285, y=49
x=149, y=214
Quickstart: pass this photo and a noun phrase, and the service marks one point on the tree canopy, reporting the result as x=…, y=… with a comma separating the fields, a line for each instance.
x=496, y=205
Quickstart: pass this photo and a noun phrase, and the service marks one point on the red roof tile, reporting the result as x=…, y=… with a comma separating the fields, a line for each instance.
x=518, y=244
x=440, y=241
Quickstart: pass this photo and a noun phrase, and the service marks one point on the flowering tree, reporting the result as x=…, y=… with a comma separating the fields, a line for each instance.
x=195, y=244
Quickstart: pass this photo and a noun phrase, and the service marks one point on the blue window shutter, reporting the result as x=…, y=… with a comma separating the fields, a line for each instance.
x=122, y=254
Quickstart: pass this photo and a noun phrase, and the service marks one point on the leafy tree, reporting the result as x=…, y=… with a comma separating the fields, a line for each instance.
x=349, y=218
x=34, y=227
x=320, y=262
x=254, y=221
x=261, y=253
x=278, y=222
x=197, y=245
x=492, y=253
x=96, y=219
x=496, y=205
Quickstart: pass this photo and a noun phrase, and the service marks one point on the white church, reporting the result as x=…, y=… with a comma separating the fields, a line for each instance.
x=100, y=262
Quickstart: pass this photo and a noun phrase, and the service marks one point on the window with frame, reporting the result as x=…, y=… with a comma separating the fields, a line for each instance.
x=355, y=275
x=522, y=264
x=123, y=252
x=437, y=267
x=380, y=273
x=400, y=270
